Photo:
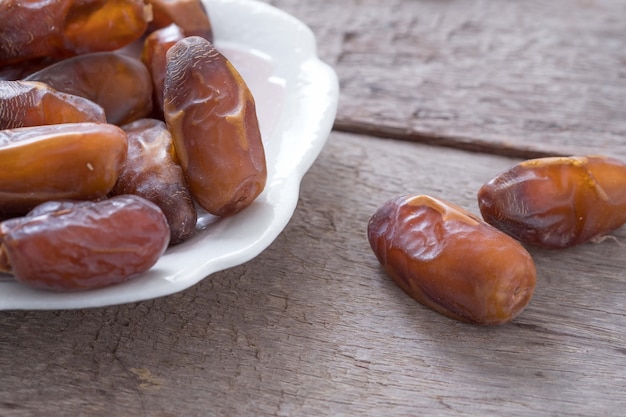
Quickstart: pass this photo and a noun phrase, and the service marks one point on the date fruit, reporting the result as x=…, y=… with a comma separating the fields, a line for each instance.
x=21, y=70
x=121, y=84
x=212, y=117
x=63, y=161
x=83, y=245
x=153, y=56
x=61, y=28
x=451, y=261
x=151, y=172
x=31, y=103
x=557, y=202
x=190, y=15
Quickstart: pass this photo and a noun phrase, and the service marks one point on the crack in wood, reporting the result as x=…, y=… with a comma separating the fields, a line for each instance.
x=470, y=144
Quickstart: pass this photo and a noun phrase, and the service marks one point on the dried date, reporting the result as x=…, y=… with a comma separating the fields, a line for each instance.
x=451, y=261
x=190, y=15
x=61, y=28
x=121, y=84
x=21, y=70
x=151, y=171
x=72, y=246
x=63, y=161
x=212, y=117
x=153, y=55
x=557, y=202
x=31, y=103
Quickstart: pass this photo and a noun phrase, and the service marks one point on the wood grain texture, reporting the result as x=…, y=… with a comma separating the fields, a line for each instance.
x=313, y=327
x=524, y=78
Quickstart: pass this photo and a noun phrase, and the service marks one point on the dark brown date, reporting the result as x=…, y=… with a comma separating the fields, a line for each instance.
x=212, y=117
x=21, y=70
x=63, y=161
x=31, y=103
x=557, y=202
x=190, y=15
x=451, y=261
x=83, y=245
x=151, y=171
x=61, y=28
x=121, y=84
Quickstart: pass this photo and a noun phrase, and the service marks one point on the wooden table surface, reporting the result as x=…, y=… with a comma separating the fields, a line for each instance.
x=436, y=98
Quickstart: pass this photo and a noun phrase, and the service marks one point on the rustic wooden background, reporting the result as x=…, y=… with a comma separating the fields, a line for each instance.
x=522, y=77
x=437, y=96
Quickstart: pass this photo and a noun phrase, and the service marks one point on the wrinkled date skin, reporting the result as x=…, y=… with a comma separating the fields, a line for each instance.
x=451, y=261
x=151, y=171
x=83, y=245
x=64, y=161
x=557, y=202
x=61, y=28
x=153, y=55
x=212, y=117
x=119, y=83
x=31, y=103
x=190, y=15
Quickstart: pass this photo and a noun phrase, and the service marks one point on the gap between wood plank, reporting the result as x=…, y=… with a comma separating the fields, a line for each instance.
x=428, y=138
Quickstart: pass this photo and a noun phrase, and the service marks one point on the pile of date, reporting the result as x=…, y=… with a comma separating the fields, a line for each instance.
x=478, y=270
x=119, y=121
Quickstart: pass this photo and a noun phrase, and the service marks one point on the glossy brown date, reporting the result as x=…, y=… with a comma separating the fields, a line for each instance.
x=449, y=260
x=121, y=84
x=190, y=15
x=212, y=117
x=557, y=202
x=83, y=245
x=63, y=161
x=61, y=28
x=153, y=56
x=151, y=171
x=31, y=103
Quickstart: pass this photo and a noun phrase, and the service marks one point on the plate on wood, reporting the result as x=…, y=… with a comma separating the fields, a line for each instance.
x=296, y=96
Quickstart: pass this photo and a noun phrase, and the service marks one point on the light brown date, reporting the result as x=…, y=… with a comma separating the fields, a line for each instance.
x=557, y=202
x=31, y=103
x=83, y=245
x=212, y=117
x=151, y=171
x=63, y=161
x=451, y=261
x=190, y=15
x=61, y=28
x=121, y=84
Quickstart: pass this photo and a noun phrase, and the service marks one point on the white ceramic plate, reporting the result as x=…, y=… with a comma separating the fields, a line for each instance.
x=296, y=96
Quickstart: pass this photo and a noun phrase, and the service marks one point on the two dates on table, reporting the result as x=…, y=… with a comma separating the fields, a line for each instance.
x=476, y=270
x=117, y=121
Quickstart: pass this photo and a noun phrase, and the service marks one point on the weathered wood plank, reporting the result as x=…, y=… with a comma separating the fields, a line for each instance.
x=312, y=327
x=526, y=78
